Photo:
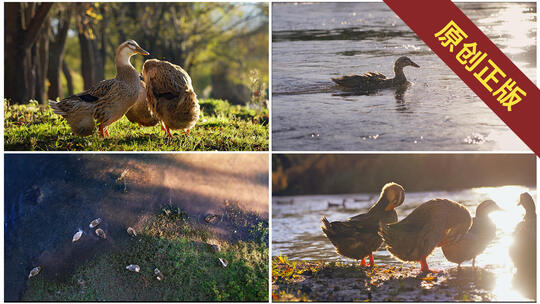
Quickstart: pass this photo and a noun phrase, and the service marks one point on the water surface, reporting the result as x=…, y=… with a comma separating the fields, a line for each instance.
x=312, y=42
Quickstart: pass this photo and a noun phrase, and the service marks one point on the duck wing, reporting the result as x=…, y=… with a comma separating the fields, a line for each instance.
x=368, y=80
x=353, y=238
x=473, y=243
x=418, y=234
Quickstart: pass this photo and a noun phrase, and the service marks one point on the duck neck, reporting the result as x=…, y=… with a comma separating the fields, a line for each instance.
x=124, y=70
x=399, y=76
x=380, y=206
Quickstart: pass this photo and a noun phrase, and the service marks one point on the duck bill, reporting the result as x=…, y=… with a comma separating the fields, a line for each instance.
x=141, y=51
x=414, y=65
x=389, y=207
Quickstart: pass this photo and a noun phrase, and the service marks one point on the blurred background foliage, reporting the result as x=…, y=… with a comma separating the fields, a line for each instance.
x=56, y=49
x=296, y=174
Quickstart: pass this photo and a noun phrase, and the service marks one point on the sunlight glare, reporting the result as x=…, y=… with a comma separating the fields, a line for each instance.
x=507, y=198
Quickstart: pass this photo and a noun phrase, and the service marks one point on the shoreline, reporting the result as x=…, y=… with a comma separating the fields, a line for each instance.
x=340, y=282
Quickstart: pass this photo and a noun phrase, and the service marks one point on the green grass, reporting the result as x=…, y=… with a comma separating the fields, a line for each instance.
x=182, y=253
x=221, y=127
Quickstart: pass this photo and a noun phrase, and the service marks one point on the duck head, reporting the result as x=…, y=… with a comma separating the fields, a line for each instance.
x=486, y=207
x=404, y=61
x=128, y=49
x=394, y=195
x=526, y=200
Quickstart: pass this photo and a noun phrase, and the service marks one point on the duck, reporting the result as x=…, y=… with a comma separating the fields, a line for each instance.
x=133, y=267
x=139, y=112
x=476, y=240
x=170, y=95
x=77, y=236
x=523, y=249
x=34, y=272
x=108, y=100
x=375, y=81
x=435, y=223
x=131, y=232
x=95, y=223
x=101, y=233
x=357, y=237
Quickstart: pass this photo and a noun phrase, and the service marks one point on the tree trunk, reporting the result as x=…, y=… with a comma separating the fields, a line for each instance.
x=23, y=23
x=88, y=62
x=69, y=79
x=56, y=55
x=41, y=63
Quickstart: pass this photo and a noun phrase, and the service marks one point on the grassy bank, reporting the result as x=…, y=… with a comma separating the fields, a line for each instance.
x=324, y=281
x=221, y=127
x=183, y=254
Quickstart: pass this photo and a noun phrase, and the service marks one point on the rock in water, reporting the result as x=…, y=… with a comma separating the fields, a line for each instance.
x=95, y=222
x=77, y=236
x=133, y=267
x=131, y=232
x=34, y=271
x=101, y=233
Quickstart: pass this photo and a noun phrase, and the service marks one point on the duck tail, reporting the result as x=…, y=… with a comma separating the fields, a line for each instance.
x=326, y=226
x=56, y=108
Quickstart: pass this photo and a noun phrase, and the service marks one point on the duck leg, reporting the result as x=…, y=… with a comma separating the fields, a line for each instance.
x=424, y=265
x=101, y=131
x=371, y=260
x=166, y=129
x=473, y=260
x=363, y=262
x=106, y=132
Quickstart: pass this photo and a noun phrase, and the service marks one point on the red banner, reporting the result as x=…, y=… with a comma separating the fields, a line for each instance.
x=477, y=61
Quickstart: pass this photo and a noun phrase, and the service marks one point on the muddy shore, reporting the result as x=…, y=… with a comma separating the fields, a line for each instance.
x=339, y=282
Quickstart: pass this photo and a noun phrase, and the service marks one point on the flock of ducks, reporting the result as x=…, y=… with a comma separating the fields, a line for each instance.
x=210, y=219
x=436, y=223
x=162, y=94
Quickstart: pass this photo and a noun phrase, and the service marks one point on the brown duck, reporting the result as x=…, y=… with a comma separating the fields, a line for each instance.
x=139, y=112
x=170, y=95
x=476, y=240
x=357, y=237
x=371, y=81
x=108, y=100
x=434, y=223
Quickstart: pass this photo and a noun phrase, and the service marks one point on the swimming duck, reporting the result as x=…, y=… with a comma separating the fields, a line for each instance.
x=101, y=233
x=139, y=112
x=95, y=222
x=34, y=272
x=523, y=249
x=357, y=237
x=375, y=81
x=108, y=100
x=77, y=236
x=434, y=223
x=476, y=240
x=170, y=95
